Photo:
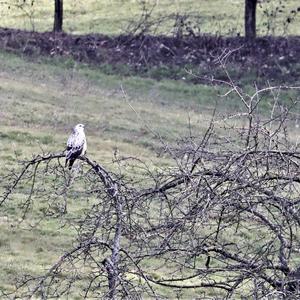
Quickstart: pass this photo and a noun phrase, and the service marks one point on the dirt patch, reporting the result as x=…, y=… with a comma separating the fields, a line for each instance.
x=275, y=58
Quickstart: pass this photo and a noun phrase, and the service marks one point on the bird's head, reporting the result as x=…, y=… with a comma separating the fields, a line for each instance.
x=79, y=127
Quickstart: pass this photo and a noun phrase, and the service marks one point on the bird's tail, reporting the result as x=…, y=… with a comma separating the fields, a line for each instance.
x=71, y=162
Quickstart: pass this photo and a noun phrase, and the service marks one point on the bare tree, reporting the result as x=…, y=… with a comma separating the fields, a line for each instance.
x=222, y=219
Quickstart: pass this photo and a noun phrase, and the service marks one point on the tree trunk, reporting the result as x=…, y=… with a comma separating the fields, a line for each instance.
x=250, y=19
x=113, y=270
x=58, y=16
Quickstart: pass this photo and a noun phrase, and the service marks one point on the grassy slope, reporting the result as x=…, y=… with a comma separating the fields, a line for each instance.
x=111, y=17
x=29, y=91
x=41, y=101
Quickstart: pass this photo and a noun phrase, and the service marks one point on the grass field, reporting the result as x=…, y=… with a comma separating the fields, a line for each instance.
x=113, y=16
x=40, y=102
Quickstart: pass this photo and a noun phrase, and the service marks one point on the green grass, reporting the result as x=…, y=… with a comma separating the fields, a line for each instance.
x=112, y=17
x=106, y=110
x=41, y=100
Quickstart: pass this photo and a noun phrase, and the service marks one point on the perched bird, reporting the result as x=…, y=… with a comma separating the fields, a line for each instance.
x=76, y=145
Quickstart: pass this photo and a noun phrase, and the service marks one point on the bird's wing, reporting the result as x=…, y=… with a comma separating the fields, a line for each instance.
x=75, y=145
